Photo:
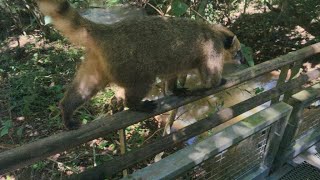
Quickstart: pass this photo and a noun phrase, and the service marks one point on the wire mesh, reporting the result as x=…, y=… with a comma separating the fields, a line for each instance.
x=311, y=120
x=303, y=171
x=234, y=161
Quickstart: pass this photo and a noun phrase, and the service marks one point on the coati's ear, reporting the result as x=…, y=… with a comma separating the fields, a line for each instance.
x=229, y=41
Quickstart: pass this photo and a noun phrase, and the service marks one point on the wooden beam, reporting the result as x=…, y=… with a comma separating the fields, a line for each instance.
x=34, y=151
x=115, y=165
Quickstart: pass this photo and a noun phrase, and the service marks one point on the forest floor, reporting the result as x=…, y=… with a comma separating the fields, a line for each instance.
x=34, y=74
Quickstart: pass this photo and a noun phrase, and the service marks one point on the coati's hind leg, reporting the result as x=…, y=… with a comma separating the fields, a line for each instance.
x=134, y=95
x=171, y=85
x=88, y=81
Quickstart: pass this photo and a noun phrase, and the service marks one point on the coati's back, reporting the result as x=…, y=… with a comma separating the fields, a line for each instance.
x=145, y=47
x=148, y=41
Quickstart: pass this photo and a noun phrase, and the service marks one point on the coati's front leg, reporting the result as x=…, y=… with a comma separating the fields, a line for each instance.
x=134, y=95
x=211, y=71
x=88, y=81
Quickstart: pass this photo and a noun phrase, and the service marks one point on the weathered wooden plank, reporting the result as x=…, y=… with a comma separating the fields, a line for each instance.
x=32, y=152
x=191, y=156
x=281, y=80
x=294, y=74
x=274, y=140
x=118, y=163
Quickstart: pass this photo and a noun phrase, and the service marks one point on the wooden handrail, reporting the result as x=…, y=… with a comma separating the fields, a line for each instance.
x=34, y=151
x=115, y=165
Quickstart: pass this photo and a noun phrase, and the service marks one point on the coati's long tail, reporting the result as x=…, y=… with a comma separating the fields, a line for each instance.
x=66, y=19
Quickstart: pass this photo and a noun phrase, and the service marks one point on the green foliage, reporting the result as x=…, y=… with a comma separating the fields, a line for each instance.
x=217, y=11
x=39, y=165
x=178, y=8
x=258, y=90
x=112, y=2
x=103, y=144
x=20, y=15
x=248, y=54
x=34, y=79
x=5, y=127
x=80, y=3
x=36, y=82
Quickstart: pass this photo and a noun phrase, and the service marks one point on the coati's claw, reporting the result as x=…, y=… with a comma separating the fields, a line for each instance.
x=181, y=92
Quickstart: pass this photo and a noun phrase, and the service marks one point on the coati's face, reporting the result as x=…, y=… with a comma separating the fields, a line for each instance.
x=232, y=46
x=233, y=53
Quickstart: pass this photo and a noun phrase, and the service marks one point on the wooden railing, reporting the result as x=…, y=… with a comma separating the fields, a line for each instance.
x=34, y=151
x=279, y=144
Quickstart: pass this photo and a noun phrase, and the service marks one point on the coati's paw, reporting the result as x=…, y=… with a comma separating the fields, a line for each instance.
x=181, y=92
x=145, y=106
x=223, y=82
x=71, y=125
x=148, y=106
x=115, y=105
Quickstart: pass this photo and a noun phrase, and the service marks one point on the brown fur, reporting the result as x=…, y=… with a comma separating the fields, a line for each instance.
x=133, y=52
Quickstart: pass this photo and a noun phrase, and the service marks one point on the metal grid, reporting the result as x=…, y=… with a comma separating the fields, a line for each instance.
x=303, y=171
x=311, y=119
x=234, y=161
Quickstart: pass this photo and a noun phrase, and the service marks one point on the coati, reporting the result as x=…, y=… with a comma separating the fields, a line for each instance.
x=133, y=52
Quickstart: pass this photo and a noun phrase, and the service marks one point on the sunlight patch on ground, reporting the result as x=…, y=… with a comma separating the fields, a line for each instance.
x=301, y=33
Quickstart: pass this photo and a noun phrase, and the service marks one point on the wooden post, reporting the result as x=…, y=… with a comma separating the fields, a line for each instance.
x=294, y=74
x=123, y=147
x=281, y=80
x=275, y=137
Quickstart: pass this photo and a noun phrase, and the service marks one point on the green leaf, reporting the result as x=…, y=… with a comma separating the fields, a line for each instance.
x=248, y=54
x=4, y=131
x=103, y=144
x=7, y=124
x=259, y=90
x=178, y=8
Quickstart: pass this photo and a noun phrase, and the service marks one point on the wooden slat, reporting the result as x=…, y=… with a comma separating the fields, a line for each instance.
x=32, y=152
x=294, y=74
x=281, y=80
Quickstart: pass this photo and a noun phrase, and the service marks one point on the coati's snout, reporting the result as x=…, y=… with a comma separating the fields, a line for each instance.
x=239, y=58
